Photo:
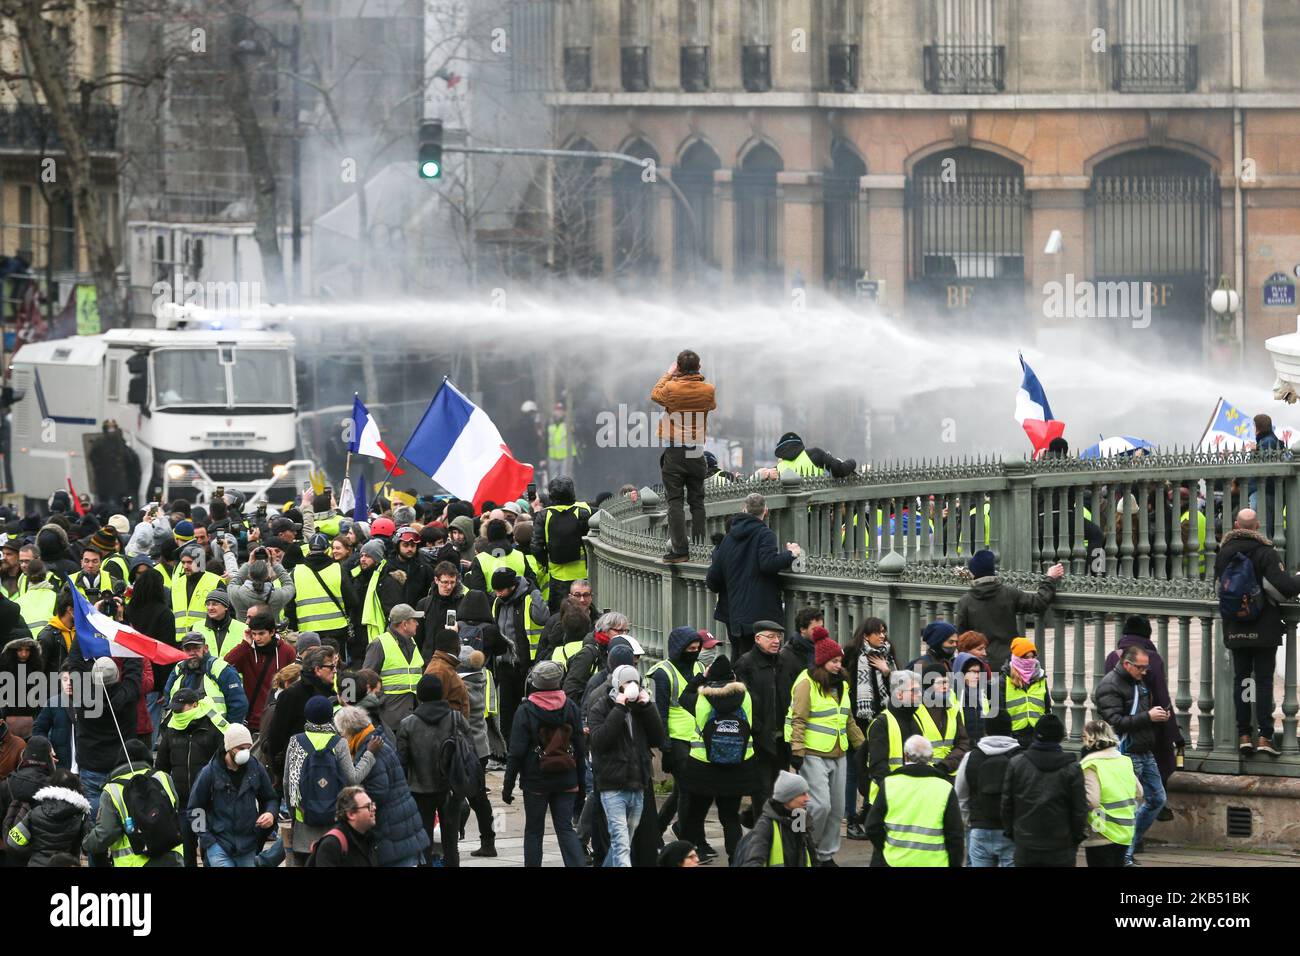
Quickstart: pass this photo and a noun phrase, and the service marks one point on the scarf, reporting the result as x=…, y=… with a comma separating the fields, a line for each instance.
x=357, y=739
x=548, y=699
x=1025, y=670
x=872, y=686
x=181, y=720
x=602, y=638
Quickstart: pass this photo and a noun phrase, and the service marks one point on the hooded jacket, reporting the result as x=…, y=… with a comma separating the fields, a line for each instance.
x=1267, y=631
x=685, y=664
x=233, y=800
x=52, y=541
x=747, y=567
x=18, y=674
x=21, y=785
x=475, y=679
x=522, y=759
x=979, y=781
x=991, y=607
x=1043, y=804
x=58, y=822
x=797, y=846
x=420, y=739
x=719, y=780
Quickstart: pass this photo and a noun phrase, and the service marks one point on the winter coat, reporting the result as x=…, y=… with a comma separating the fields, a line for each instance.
x=420, y=739
x=58, y=822
x=232, y=688
x=351, y=774
x=991, y=607
x=591, y=657
x=475, y=680
x=1168, y=735
x=98, y=744
x=621, y=738
x=553, y=635
x=435, y=608
x=719, y=780
x=54, y=722
x=444, y=666
x=232, y=801
x=184, y=753
x=1267, y=631
x=523, y=761
x=419, y=577
x=16, y=674
x=257, y=666
x=54, y=647
x=21, y=785
x=686, y=667
x=393, y=708
x=797, y=846
x=760, y=674
x=154, y=619
x=399, y=833
x=11, y=751
x=795, y=657
x=687, y=400
x=746, y=566
x=980, y=778
x=244, y=593
x=876, y=759
x=288, y=718
x=360, y=852
x=954, y=834
x=865, y=709
x=1114, y=702
x=1043, y=804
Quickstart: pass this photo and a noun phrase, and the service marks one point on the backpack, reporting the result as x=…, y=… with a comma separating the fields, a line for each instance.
x=319, y=783
x=725, y=738
x=1241, y=599
x=337, y=834
x=555, y=748
x=152, y=826
x=460, y=763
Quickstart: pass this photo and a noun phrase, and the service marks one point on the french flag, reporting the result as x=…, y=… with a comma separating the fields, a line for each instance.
x=457, y=446
x=1034, y=414
x=365, y=437
x=101, y=636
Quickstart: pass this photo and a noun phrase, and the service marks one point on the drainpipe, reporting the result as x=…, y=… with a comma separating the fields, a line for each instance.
x=1238, y=211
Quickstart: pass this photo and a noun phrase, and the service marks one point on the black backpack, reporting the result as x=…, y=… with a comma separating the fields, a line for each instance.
x=460, y=763
x=152, y=825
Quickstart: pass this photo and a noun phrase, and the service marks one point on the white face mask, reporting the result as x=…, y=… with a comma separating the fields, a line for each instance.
x=631, y=690
x=242, y=757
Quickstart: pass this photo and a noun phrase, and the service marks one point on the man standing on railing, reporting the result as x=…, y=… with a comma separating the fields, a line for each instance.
x=991, y=606
x=1254, y=640
x=687, y=399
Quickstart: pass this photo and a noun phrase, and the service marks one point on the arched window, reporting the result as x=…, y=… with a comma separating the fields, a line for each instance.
x=966, y=218
x=694, y=177
x=758, y=215
x=845, y=218
x=576, y=252
x=635, y=212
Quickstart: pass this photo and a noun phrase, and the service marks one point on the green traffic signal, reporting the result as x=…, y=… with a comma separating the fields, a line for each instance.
x=430, y=169
x=430, y=155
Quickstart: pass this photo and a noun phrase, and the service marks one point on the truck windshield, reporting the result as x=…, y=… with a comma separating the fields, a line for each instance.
x=197, y=377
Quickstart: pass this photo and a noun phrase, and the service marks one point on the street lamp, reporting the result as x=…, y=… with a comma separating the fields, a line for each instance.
x=1224, y=300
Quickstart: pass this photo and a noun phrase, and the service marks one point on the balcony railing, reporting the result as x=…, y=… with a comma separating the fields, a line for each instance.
x=1154, y=67
x=30, y=126
x=965, y=69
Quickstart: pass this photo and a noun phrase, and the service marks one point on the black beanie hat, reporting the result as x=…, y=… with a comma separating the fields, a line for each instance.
x=675, y=853
x=1137, y=625
x=721, y=671
x=1049, y=729
x=448, y=641
x=40, y=751
x=429, y=688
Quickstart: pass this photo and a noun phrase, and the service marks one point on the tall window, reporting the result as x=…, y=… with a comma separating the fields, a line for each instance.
x=845, y=217
x=576, y=210
x=1153, y=54
x=26, y=228
x=693, y=248
x=63, y=228
x=758, y=216
x=965, y=56
x=843, y=38
x=966, y=217
x=579, y=27
x=634, y=35
x=756, y=32
x=695, y=26
x=635, y=208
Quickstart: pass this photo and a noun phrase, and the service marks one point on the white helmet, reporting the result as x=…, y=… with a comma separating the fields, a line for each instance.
x=528, y=407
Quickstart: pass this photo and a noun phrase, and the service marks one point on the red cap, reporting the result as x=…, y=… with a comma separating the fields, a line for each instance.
x=707, y=640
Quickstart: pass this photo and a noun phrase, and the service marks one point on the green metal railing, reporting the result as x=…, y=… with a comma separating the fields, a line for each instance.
x=1136, y=536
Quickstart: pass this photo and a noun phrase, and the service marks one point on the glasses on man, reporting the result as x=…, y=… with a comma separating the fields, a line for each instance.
x=580, y=594
x=365, y=806
x=327, y=667
x=1138, y=667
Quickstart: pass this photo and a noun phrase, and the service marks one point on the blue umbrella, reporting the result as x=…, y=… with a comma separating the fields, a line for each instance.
x=1117, y=445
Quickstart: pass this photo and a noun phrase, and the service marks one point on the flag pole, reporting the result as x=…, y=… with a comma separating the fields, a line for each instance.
x=1210, y=424
x=402, y=454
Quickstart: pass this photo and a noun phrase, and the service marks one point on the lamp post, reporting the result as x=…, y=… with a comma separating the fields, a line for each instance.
x=1225, y=302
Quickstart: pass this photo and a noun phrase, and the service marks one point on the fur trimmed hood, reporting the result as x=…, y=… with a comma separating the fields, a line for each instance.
x=65, y=795
x=723, y=690
x=1237, y=533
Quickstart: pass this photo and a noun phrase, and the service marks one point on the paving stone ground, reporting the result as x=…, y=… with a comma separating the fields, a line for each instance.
x=510, y=845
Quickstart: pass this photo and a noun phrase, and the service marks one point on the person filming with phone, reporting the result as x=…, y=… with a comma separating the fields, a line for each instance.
x=441, y=605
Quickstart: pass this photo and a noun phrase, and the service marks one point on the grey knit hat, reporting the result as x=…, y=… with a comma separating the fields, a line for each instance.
x=375, y=549
x=788, y=786
x=548, y=675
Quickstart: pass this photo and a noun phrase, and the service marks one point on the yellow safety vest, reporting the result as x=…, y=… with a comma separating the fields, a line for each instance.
x=928, y=728
x=37, y=606
x=1114, y=819
x=531, y=629
x=557, y=440
x=945, y=741
x=166, y=575
x=190, y=615
x=570, y=570
x=914, y=820
x=396, y=673
x=681, y=724
x=320, y=608
x=1185, y=518
x=234, y=634
x=119, y=562
x=372, y=611
x=24, y=583
x=120, y=853
x=491, y=702
x=211, y=689
x=828, y=718
x=777, y=856
x=489, y=563
x=541, y=574
x=102, y=583
x=565, y=653
x=699, y=750
x=1024, y=707
x=802, y=466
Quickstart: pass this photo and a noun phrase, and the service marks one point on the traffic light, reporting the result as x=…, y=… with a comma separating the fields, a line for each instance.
x=431, y=149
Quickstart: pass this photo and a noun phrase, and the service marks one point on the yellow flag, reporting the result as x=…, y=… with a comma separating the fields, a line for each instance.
x=317, y=481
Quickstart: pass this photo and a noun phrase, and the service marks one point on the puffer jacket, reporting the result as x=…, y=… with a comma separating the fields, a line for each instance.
x=991, y=607
x=1267, y=631
x=620, y=746
x=58, y=823
x=1114, y=703
x=1043, y=803
x=17, y=674
x=420, y=738
x=746, y=567
x=399, y=833
x=719, y=780
x=475, y=680
x=21, y=785
x=186, y=747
